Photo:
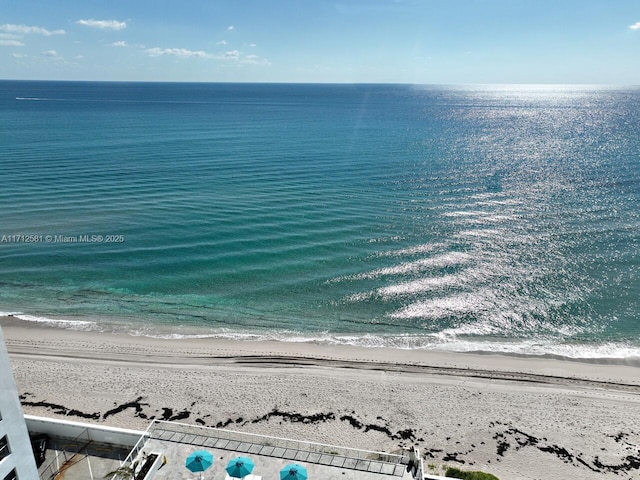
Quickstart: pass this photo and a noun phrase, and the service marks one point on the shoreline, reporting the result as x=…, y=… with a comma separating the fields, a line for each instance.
x=598, y=354
x=208, y=350
x=517, y=417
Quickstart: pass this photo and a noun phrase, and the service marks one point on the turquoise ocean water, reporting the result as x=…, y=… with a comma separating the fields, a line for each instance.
x=491, y=218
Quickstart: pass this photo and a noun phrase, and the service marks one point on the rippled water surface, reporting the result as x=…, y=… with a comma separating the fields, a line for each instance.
x=462, y=218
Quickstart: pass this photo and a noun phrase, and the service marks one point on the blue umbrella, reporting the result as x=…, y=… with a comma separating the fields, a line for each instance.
x=199, y=461
x=293, y=471
x=239, y=467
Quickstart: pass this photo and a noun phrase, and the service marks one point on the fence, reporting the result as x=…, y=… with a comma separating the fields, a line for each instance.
x=73, y=439
x=159, y=428
x=71, y=455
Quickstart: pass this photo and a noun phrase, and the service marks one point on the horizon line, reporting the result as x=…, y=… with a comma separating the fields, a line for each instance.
x=213, y=82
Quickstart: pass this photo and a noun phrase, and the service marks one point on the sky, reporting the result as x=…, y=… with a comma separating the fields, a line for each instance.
x=322, y=41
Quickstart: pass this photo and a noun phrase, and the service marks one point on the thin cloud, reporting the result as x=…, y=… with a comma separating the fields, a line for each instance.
x=18, y=55
x=55, y=57
x=121, y=43
x=238, y=57
x=255, y=60
x=176, y=52
x=231, y=55
x=635, y=26
x=103, y=24
x=28, y=30
x=231, y=27
x=11, y=43
x=221, y=42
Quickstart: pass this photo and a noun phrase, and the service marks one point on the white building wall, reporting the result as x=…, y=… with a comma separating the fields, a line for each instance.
x=13, y=425
x=96, y=433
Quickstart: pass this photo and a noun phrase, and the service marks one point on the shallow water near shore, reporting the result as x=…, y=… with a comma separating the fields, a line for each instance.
x=489, y=218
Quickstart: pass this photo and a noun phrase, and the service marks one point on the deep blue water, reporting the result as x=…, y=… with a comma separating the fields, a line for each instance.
x=497, y=218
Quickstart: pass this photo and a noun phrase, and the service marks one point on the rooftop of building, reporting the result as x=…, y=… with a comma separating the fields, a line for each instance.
x=177, y=441
x=82, y=451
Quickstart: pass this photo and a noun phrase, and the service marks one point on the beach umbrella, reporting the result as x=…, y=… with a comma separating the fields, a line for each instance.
x=293, y=471
x=239, y=467
x=199, y=461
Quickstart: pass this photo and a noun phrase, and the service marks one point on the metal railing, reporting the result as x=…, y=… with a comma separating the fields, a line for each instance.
x=78, y=445
x=276, y=442
x=136, y=450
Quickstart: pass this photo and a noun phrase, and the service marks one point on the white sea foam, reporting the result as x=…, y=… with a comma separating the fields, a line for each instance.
x=58, y=322
x=544, y=347
x=450, y=342
x=541, y=346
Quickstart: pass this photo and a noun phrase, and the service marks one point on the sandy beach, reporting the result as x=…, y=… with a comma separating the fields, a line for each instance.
x=516, y=417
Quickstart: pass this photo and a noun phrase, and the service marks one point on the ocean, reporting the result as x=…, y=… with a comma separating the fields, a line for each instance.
x=462, y=218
